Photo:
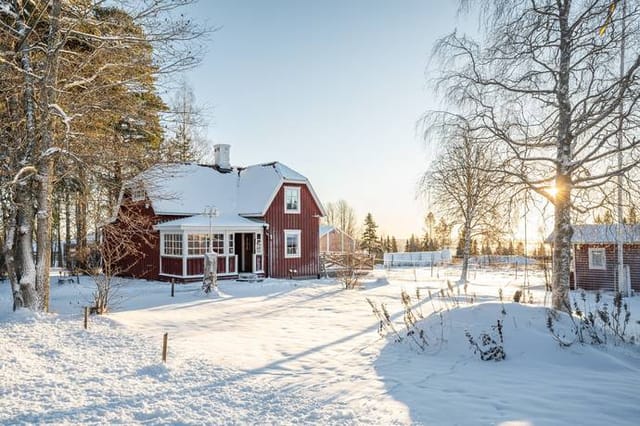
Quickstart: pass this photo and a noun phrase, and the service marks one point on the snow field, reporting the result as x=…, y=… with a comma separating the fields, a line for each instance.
x=307, y=352
x=53, y=371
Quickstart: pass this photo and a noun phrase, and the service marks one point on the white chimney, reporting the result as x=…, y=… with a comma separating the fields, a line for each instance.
x=221, y=155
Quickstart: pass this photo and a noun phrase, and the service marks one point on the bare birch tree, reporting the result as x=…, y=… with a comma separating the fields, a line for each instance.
x=342, y=215
x=185, y=124
x=547, y=84
x=465, y=184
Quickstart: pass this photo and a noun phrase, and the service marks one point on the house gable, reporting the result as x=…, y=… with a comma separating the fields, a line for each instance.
x=307, y=222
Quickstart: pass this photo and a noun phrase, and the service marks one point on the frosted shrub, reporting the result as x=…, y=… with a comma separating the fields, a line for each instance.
x=413, y=333
x=106, y=293
x=595, y=325
x=490, y=346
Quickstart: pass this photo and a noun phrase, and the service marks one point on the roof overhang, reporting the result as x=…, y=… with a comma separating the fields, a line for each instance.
x=203, y=224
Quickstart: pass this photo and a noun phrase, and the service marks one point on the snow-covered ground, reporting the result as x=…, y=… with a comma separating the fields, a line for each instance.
x=284, y=352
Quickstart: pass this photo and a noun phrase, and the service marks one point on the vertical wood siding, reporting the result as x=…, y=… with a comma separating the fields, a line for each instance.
x=146, y=263
x=307, y=221
x=605, y=279
x=172, y=265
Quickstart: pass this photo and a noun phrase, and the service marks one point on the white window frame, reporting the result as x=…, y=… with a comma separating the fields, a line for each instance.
x=297, y=234
x=138, y=193
x=175, y=245
x=231, y=249
x=597, y=251
x=258, y=243
x=197, y=244
x=295, y=189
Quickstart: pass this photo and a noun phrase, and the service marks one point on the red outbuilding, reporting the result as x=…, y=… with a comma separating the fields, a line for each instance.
x=595, y=260
x=261, y=219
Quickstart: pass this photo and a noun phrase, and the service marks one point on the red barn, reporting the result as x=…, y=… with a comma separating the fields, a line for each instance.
x=261, y=219
x=595, y=258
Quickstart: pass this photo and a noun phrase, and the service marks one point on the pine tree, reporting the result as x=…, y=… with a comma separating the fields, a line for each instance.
x=369, y=237
x=394, y=245
x=442, y=234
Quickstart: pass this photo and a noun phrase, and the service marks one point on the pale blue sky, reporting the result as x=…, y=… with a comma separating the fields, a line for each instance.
x=333, y=89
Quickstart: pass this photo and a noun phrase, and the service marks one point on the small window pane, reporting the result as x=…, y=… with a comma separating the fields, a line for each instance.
x=231, y=247
x=172, y=245
x=218, y=243
x=597, y=258
x=292, y=199
x=258, y=243
x=198, y=244
x=292, y=243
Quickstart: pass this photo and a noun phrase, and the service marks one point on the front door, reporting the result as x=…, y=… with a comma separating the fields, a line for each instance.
x=244, y=247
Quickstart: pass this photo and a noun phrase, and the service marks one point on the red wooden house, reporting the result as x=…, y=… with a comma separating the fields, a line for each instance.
x=595, y=256
x=266, y=220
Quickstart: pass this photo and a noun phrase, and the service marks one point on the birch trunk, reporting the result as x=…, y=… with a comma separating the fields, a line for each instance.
x=27, y=267
x=67, y=228
x=43, y=217
x=9, y=258
x=466, y=252
x=562, y=225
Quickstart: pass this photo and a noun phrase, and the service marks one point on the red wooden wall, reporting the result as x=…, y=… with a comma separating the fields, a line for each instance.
x=146, y=263
x=605, y=279
x=307, y=221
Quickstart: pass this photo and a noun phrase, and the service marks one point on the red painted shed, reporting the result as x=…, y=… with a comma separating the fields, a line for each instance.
x=595, y=256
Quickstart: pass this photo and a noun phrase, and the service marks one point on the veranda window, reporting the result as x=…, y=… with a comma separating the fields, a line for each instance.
x=197, y=244
x=172, y=245
x=258, y=243
x=230, y=244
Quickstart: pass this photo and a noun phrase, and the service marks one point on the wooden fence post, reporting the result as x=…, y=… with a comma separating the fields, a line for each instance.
x=165, y=339
x=86, y=316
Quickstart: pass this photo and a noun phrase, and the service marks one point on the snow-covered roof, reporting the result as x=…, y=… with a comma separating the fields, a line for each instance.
x=188, y=189
x=602, y=234
x=201, y=221
x=325, y=229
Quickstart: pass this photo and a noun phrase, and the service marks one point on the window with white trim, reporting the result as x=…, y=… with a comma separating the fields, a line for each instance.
x=138, y=193
x=597, y=258
x=172, y=245
x=218, y=243
x=292, y=243
x=230, y=246
x=258, y=243
x=198, y=244
x=292, y=199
